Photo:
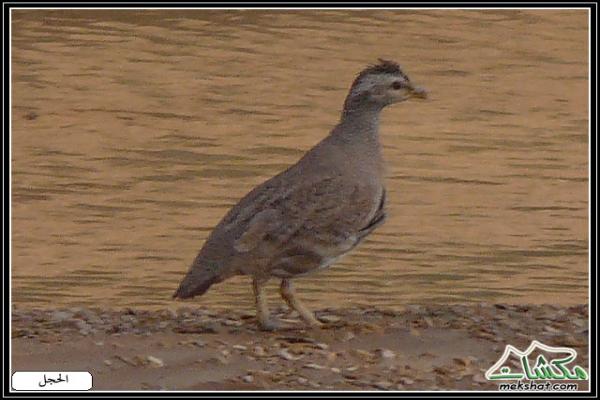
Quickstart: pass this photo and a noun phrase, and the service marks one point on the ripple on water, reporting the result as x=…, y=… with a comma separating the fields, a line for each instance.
x=167, y=119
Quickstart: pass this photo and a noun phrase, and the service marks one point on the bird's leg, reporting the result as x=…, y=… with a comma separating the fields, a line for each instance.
x=289, y=295
x=262, y=308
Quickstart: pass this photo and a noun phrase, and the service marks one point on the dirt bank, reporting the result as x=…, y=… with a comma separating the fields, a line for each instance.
x=418, y=348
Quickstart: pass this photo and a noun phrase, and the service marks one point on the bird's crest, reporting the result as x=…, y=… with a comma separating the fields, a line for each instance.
x=384, y=67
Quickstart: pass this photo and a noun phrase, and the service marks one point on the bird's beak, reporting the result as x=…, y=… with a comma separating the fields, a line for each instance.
x=418, y=92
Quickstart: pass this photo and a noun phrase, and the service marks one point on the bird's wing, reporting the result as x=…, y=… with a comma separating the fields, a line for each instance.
x=326, y=211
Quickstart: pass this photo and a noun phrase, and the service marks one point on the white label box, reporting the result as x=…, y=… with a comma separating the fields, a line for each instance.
x=51, y=380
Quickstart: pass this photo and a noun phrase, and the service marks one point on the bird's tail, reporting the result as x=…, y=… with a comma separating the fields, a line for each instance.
x=196, y=283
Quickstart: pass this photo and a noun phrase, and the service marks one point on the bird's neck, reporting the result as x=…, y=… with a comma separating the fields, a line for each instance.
x=359, y=125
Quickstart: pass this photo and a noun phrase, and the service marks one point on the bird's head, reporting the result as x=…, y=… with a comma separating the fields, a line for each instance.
x=380, y=85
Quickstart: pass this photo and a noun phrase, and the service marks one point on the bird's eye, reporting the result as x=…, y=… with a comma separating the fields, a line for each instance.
x=397, y=85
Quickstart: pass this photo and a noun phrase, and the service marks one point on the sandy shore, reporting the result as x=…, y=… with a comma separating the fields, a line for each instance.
x=445, y=347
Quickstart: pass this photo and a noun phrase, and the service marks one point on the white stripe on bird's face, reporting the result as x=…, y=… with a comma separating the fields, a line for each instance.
x=383, y=88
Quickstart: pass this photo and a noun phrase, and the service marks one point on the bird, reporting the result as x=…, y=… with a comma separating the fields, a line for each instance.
x=308, y=216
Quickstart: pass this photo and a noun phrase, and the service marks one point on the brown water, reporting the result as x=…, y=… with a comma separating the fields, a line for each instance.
x=134, y=131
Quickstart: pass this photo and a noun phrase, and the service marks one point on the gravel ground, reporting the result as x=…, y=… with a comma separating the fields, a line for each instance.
x=443, y=347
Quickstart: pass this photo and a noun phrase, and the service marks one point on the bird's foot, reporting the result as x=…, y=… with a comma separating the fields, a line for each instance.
x=284, y=324
x=313, y=323
x=333, y=325
x=269, y=325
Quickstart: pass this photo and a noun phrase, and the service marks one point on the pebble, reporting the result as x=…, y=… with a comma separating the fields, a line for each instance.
x=365, y=355
x=285, y=354
x=204, y=328
x=415, y=308
x=314, y=366
x=387, y=353
x=406, y=380
x=184, y=311
x=330, y=318
x=384, y=385
x=126, y=360
x=60, y=316
x=463, y=362
x=349, y=376
x=155, y=362
x=128, y=318
x=84, y=328
x=248, y=379
x=551, y=330
x=259, y=351
x=246, y=314
x=219, y=359
x=580, y=323
x=571, y=341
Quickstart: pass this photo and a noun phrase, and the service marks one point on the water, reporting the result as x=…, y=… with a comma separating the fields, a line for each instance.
x=135, y=131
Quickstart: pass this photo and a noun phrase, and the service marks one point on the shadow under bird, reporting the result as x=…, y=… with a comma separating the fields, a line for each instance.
x=308, y=216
